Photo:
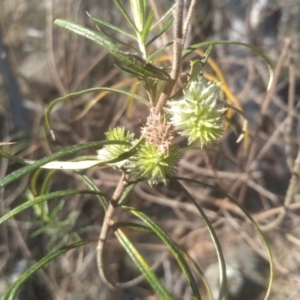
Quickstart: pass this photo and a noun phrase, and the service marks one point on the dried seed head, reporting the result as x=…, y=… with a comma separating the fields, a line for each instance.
x=158, y=132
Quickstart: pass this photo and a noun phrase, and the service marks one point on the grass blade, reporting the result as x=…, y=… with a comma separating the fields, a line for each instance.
x=171, y=245
x=220, y=42
x=142, y=265
x=72, y=95
x=109, y=25
x=64, y=152
x=222, y=265
x=255, y=225
x=43, y=198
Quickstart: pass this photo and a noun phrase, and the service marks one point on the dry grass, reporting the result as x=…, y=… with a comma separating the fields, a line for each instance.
x=264, y=178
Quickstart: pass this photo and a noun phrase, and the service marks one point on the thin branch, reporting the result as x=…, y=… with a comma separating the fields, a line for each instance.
x=188, y=20
x=291, y=103
x=107, y=223
x=294, y=181
x=176, y=61
x=277, y=71
x=253, y=149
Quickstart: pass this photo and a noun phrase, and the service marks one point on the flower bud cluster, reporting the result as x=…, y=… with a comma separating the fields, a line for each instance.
x=151, y=162
x=198, y=114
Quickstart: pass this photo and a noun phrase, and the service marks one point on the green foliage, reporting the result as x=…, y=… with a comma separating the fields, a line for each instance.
x=195, y=112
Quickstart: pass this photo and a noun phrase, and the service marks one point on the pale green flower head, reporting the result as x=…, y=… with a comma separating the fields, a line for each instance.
x=154, y=165
x=109, y=152
x=198, y=115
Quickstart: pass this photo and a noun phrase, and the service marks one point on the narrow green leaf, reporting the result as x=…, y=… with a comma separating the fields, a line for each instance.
x=96, y=37
x=109, y=25
x=140, y=65
x=255, y=225
x=46, y=197
x=131, y=60
x=127, y=191
x=138, y=12
x=64, y=152
x=12, y=291
x=147, y=26
x=89, y=34
x=77, y=164
x=118, y=41
x=90, y=183
x=14, y=158
x=142, y=265
x=223, y=281
x=201, y=273
x=171, y=245
x=169, y=12
x=220, y=42
x=159, y=50
x=33, y=184
x=54, y=102
x=45, y=186
x=133, y=226
x=164, y=29
x=124, y=13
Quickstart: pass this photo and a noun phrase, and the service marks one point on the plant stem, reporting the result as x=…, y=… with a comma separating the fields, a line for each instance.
x=188, y=20
x=107, y=223
x=180, y=33
x=176, y=62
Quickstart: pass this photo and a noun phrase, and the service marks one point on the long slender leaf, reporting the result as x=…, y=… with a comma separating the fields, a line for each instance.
x=147, y=27
x=64, y=152
x=90, y=183
x=43, y=198
x=133, y=226
x=220, y=42
x=76, y=164
x=145, y=229
x=142, y=265
x=127, y=191
x=255, y=225
x=33, y=184
x=139, y=12
x=223, y=281
x=199, y=270
x=124, y=13
x=118, y=42
x=163, y=17
x=159, y=50
x=109, y=25
x=12, y=291
x=131, y=60
x=54, y=102
x=165, y=28
x=171, y=245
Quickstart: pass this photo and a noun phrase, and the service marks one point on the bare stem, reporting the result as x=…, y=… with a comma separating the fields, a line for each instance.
x=180, y=33
x=107, y=223
x=188, y=20
x=291, y=104
x=176, y=61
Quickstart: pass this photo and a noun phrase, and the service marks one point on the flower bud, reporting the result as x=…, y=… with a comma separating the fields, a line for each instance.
x=153, y=164
x=198, y=115
x=109, y=152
